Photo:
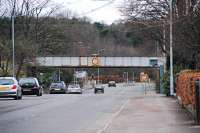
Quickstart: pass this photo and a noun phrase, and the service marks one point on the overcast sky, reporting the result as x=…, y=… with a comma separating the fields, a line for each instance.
x=107, y=14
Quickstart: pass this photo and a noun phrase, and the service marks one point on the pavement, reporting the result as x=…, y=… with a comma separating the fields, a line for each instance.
x=121, y=109
x=153, y=113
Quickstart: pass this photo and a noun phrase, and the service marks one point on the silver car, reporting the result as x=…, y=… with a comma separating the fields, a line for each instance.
x=58, y=87
x=74, y=88
x=9, y=87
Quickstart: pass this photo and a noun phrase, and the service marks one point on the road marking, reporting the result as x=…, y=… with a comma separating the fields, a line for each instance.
x=195, y=127
x=107, y=125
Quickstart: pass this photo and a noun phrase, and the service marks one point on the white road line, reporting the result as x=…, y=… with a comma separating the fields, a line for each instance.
x=108, y=124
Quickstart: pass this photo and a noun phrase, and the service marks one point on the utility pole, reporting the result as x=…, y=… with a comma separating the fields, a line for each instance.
x=127, y=77
x=171, y=50
x=164, y=47
x=59, y=74
x=98, y=75
x=13, y=43
x=98, y=53
x=74, y=76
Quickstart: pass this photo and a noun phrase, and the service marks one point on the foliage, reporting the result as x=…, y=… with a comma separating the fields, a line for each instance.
x=48, y=75
x=166, y=84
x=151, y=19
x=166, y=79
x=37, y=33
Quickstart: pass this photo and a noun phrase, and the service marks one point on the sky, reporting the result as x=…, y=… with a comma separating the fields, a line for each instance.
x=107, y=14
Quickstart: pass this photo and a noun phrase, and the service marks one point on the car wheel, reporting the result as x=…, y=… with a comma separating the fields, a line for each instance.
x=20, y=97
x=38, y=93
x=17, y=97
x=41, y=94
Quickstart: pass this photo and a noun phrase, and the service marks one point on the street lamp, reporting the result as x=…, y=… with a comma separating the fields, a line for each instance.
x=98, y=52
x=13, y=42
x=171, y=50
x=125, y=77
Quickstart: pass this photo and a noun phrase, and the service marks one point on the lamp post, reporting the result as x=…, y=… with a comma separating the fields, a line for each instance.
x=74, y=76
x=99, y=51
x=59, y=75
x=126, y=77
x=13, y=43
x=171, y=50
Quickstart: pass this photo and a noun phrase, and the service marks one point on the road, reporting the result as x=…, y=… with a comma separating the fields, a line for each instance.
x=121, y=109
x=65, y=113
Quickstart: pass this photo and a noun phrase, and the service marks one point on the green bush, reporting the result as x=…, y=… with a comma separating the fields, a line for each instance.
x=166, y=84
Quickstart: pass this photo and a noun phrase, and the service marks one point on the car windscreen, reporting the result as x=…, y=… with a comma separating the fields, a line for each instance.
x=73, y=86
x=6, y=82
x=56, y=85
x=27, y=81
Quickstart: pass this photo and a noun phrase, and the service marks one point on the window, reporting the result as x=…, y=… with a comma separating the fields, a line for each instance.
x=6, y=82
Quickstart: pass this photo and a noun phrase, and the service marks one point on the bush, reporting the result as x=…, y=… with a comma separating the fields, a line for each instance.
x=166, y=84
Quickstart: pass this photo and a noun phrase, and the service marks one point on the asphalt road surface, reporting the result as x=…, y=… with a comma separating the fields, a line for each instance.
x=65, y=113
x=121, y=109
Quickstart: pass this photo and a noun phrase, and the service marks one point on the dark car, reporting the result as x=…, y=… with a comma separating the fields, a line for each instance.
x=112, y=83
x=30, y=86
x=99, y=88
x=58, y=87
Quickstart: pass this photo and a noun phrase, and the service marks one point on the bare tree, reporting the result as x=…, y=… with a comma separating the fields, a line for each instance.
x=30, y=16
x=145, y=9
x=153, y=16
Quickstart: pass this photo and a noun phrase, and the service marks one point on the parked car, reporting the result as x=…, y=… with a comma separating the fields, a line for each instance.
x=112, y=83
x=99, y=88
x=58, y=87
x=30, y=86
x=9, y=87
x=74, y=88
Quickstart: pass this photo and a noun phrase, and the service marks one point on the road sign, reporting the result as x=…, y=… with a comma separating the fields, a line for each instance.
x=95, y=61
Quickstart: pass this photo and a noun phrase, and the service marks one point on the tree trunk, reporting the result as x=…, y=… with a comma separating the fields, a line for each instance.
x=19, y=67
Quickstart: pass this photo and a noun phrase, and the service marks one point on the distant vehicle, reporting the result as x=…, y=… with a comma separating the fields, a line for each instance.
x=111, y=83
x=9, y=87
x=58, y=87
x=74, y=88
x=99, y=88
x=30, y=86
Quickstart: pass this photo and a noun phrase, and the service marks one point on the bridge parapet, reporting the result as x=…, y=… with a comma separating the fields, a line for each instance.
x=100, y=61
